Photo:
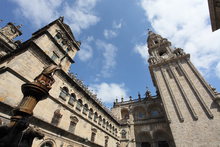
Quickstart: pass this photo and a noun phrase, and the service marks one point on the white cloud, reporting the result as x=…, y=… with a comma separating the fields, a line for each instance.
x=187, y=28
x=117, y=25
x=142, y=50
x=109, y=34
x=38, y=11
x=109, y=54
x=108, y=92
x=218, y=69
x=79, y=15
x=86, y=51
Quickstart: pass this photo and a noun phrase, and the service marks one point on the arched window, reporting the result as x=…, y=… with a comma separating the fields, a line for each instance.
x=154, y=110
x=103, y=123
x=94, y=131
x=79, y=105
x=113, y=130
x=47, y=144
x=90, y=113
x=116, y=132
x=123, y=134
x=73, y=121
x=100, y=119
x=95, y=116
x=124, y=114
x=85, y=109
x=107, y=125
x=56, y=117
x=64, y=93
x=72, y=99
x=58, y=36
x=106, y=141
x=154, y=113
x=110, y=127
x=139, y=113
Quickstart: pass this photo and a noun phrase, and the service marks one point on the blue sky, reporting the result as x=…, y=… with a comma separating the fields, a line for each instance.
x=113, y=56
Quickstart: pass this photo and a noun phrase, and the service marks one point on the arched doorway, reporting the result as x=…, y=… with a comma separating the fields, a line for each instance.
x=161, y=138
x=143, y=139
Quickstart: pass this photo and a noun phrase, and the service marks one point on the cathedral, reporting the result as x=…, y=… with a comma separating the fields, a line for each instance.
x=183, y=113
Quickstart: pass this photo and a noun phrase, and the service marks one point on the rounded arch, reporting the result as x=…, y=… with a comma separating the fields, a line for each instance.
x=95, y=116
x=79, y=104
x=162, y=138
x=139, y=113
x=124, y=114
x=143, y=139
x=107, y=125
x=100, y=119
x=86, y=106
x=154, y=110
x=72, y=98
x=85, y=109
x=64, y=92
x=103, y=122
x=48, y=143
x=90, y=113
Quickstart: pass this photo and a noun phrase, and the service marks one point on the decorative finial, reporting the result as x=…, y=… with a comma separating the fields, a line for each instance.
x=148, y=93
x=61, y=18
x=139, y=95
x=122, y=99
x=130, y=98
x=19, y=26
x=116, y=100
x=149, y=31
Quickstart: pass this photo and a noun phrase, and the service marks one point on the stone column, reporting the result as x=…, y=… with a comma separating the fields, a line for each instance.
x=132, y=134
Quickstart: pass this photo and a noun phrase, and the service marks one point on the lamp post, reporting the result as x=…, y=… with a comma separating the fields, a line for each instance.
x=18, y=133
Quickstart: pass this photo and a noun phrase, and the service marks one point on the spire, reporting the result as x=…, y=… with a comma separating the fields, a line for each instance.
x=155, y=40
x=147, y=93
x=139, y=95
x=19, y=26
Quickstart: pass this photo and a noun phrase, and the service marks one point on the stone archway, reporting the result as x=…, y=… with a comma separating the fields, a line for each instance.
x=143, y=139
x=161, y=139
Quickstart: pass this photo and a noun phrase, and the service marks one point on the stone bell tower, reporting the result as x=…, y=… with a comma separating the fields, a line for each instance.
x=190, y=103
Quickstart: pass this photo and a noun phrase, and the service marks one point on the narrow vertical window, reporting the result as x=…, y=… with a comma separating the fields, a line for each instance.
x=72, y=99
x=93, y=137
x=90, y=113
x=79, y=105
x=103, y=123
x=100, y=119
x=123, y=134
x=72, y=127
x=56, y=118
x=110, y=128
x=73, y=121
x=64, y=93
x=85, y=109
x=95, y=116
